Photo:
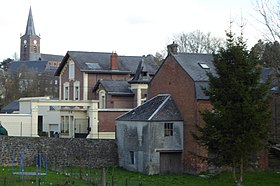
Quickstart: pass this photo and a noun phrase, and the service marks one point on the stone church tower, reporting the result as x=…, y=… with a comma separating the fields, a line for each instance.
x=30, y=42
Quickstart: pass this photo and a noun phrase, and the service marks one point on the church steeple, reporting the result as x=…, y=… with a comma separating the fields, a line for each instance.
x=30, y=42
x=30, y=29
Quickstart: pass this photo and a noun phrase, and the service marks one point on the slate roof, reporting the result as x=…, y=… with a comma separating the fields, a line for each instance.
x=11, y=107
x=274, y=85
x=265, y=73
x=37, y=66
x=30, y=29
x=115, y=87
x=191, y=64
x=141, y=74
x=99, y=62
x=160, y=108
x=199, y=90
x=51, y=57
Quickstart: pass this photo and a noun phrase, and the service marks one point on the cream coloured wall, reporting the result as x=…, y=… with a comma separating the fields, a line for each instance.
x=17, y=124
x=139, y=88
x=26, y=122
x=76, y=108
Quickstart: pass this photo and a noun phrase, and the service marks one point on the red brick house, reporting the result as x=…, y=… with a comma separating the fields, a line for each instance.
x=183, y=75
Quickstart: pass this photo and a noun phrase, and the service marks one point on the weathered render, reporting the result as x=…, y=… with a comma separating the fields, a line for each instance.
x=144, y=143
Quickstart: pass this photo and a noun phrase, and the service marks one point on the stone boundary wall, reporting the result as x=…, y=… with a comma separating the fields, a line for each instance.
x=60, y=152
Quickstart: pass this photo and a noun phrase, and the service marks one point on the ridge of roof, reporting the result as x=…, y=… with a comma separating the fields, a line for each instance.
x=162, y=104
x=126, y=64
x=133, y=110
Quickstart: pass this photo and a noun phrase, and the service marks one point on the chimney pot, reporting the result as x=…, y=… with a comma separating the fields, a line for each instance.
x=172, y=48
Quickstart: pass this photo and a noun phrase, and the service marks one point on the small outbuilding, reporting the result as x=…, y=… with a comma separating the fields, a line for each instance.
x=150, y=137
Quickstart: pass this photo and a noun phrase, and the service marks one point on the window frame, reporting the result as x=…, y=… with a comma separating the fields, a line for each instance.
x=76, y=91
x=102, y=99
x=132, y=157
x=66, y=91
x=71, y=70
x=168, y=129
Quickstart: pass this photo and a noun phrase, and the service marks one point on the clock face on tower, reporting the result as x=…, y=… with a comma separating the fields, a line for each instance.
x=25, y=42
x=34, y=42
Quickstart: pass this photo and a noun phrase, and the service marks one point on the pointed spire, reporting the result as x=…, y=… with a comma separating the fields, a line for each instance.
x=30, y=29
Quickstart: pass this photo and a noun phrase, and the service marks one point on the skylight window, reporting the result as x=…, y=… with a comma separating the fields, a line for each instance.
x=204, y=65
x=93, y=65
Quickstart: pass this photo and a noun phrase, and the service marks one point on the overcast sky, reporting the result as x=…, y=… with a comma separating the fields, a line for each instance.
x=129, y=27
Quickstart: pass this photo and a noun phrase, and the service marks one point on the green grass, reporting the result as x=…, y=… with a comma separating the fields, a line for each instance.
x=71, y=176
x=251, y=179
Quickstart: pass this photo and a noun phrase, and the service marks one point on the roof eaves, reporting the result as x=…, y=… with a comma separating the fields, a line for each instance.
x=121, y=93
x=63, y=62
x=105, y=71
x=96, y=86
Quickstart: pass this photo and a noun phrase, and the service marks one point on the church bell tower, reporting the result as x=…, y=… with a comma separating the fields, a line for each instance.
x=30, y=42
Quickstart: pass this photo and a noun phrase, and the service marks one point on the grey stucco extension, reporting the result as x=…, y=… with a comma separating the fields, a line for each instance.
x=147, y=140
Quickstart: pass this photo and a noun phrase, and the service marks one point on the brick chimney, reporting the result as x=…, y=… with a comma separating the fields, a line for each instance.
x=172, y=48
x=114, y=61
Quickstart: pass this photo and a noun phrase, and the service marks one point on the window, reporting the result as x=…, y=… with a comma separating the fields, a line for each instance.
x=76, y=93
x=77, y=90
x=204, y=65
x=132, y=157
x=102, y=99
x=168, y=129
x=71, y=70
x=66, y=91
x=93, y=66
x=66, y=123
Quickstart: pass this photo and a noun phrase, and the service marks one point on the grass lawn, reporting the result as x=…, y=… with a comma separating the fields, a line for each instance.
x=119, y=177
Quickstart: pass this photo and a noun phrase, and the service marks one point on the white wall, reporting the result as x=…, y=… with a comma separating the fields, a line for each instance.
x=17, y=124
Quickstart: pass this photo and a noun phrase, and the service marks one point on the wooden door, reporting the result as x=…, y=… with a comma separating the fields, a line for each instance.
x=170, y=162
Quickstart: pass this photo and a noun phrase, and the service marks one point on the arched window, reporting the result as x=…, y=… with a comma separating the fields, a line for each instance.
x=71, y=70
x=102, y=99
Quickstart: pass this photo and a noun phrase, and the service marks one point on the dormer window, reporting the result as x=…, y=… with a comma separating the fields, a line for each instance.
x=145, y=73
x=204, y=65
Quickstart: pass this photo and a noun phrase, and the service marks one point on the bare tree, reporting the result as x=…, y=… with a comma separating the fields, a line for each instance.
x=198, y=42
x=270, y=18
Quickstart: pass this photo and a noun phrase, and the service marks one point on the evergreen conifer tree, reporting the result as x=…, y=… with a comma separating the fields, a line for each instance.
x=237, y=127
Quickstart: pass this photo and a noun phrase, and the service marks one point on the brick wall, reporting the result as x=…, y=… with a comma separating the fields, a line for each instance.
x=107, y=120
x=60, y=151
x=172, y=79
